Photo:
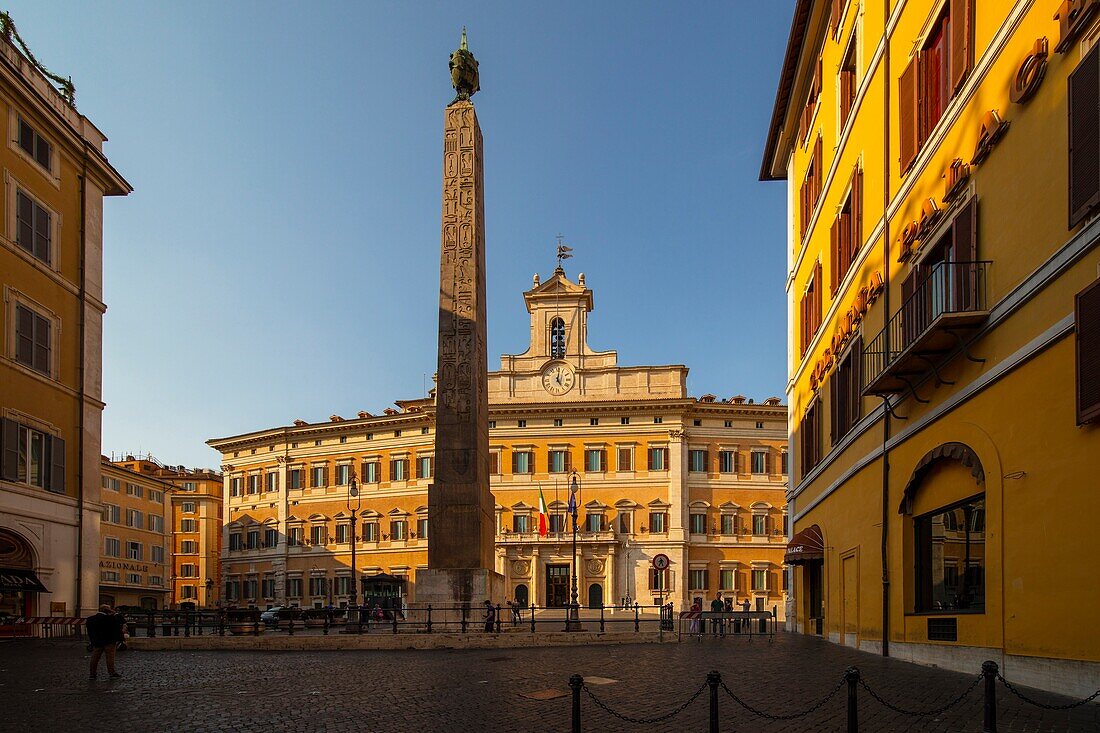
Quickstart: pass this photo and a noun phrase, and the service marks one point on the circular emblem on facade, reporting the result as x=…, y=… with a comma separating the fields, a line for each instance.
x=595, y=567
x=520, y=568
x=558, y=378
x=660, y=562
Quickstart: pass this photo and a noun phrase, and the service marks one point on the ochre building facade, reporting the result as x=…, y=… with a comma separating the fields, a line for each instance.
x=943, y=187
x=699, y=480
x=135, y=562
x=55, y=176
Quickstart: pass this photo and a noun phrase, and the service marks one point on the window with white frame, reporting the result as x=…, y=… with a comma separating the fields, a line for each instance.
x=135, y=550
x=759, y=579
x=189, y=525
x=727, y=579
x=156, y=523
x=156, y=580
x=134, y=518
x=759, y=523
x=254, y=483
x=109, y=576
x=32, y=457
x=134, y=490
x=157, y=553
x=235, y=486
x=318, y=534
x=729, y=523
x=188, y=547
x=343, y=474
x=112, y=547
x=294, y=478
x=727, y=461
x=112, y=484
x=271, y=537
x=343, y=533
x=422, y=528
x=698, y=523
x=187, y=592
x=272, y=481
x=558, y=461
x=187, y=507
x=253, y=539
x=399, y=469
x=399, y=529
x=521, y=462
x=424, y=467
x=697, y=461
x=133, y=578
x=235, y=541
x=371, y=472
x=521, y=523
x=112, y=513
x=33, y=226
x=155, y=496
x=697, y=579
x=294, y=536
x=759, y=461
x=294, y=587
x=658, y=459
x=594, y=522
x=317, y=476
x=658, y=522
x=189, y=570
x=595, y=460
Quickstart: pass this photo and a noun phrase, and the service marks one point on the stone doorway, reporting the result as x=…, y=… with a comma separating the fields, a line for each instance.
x=557, y=585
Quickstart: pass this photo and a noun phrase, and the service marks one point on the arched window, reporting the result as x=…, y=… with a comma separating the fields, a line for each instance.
x=557, y=339
x=521, y=595
x=595, y=596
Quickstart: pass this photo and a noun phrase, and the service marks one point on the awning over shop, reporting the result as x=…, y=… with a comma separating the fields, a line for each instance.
x=805, y=545
x=20, y=579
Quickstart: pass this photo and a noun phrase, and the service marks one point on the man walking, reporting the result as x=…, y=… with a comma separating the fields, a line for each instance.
x=490, y=617
x=716, y=606
x=104, y=634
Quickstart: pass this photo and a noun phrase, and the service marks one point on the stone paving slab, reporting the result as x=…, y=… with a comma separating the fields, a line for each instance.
x=44, y=686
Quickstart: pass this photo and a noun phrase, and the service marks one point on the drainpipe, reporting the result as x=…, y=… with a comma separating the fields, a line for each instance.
x=886, y=326
x=80, y=388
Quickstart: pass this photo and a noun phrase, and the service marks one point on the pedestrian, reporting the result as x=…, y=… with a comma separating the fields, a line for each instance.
x=104, y=634
x=716, y=607
x=517, y=610
x=728, y=609
x=693, y=614
x=490, y=617
x=378, y=615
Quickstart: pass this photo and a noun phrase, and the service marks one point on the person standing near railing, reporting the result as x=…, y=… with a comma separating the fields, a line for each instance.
x=716, y=606
x=490, y=616
x=105, y=631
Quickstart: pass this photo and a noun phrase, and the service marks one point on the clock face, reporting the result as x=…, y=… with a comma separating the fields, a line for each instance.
x=557, y=379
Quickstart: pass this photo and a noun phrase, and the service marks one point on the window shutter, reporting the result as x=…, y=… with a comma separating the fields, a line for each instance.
x=1087, y=324
x=419, y=472
x=57, y=464
x=856, y=226
x=9, y=447
x=834, y=255
x=962, y=12
x=624, y=459
x=603, y=460
x=568, y=461
x=834, y=15
x=665, y=452
x=648, y=453
x=515, y=462
x=1084, y=137
x=767, y=461
x=908, y=105
x=494, y=463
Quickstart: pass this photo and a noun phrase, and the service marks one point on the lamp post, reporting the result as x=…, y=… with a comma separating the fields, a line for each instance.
x=209, y=591
x=355, y=501
x=573, y=622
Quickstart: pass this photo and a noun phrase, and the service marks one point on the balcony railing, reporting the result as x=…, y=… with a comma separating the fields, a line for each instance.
x=950, y=300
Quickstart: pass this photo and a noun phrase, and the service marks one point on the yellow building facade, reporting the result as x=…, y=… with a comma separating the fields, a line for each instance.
x=942, y=168
x=135, y=562
x=55, y=176
x=700, y=480
x=195, y=529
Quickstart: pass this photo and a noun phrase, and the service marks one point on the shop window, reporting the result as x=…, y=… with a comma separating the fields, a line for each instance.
x=950, y=558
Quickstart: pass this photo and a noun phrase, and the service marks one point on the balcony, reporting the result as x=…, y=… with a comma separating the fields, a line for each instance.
x=583, y=537
x=949, y=302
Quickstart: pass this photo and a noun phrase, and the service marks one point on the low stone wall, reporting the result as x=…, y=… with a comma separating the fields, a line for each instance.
x=336, y=641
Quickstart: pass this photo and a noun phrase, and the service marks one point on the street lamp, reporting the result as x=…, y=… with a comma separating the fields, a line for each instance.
x=209, y=590
x=355, y=501
x=573, y=622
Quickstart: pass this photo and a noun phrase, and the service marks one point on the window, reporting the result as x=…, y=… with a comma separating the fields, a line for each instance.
x=190, y=486
x=134, y=518
x=399, y=529
x=1084, y=137
x=134, y=490
x=846, y=235
x=294, y=478
x=809, y=435
x=806, y=118
x=595, y=460
x=343, y=534
x=135, y=550
x=294, y=587
x=397, y=433
x=658, y=420
x=188, y=570
x=423, y=431
x=624, y=420
x=32, y=227
x=658, y=579
x=494, y=463
x=521, y=423
x=522, y=463
x=697, y=579
x=189, y=525
x=759, y=426
x=112, y=547
x=235, y=486
x=727, y=461
x=318, y=586
x=557, y=338
x=697, y=462
x=189, y=546
x=399, y=469
x=272, y=482
x=783, y=463
x=759, y=579
x=558, y=461
x=269, y=586
x=271, y=537
x=658, y=522
x=658, y=459
x=253, y=539
x=424, y=467
x=492, y=424
x=810, y=310
x=810, y=191
x=728, y=424
x=156, y=497
x=422, y=528
x=112, y=513
x=319, y=476
x=372, y=472
x=848, y=82
x=134, y=578
x=729, y=524
x=156, y=523
x=232, y=590
x=557, y=523
x=112, y=484
x=594, y=522
x=759, y=461
x=36, y=146
x=187, y=592
x=558, y=422
x=698, y=523
x=759, y=524
x=521, y=523
x=626, y=458
x=844, y=391
x=111, y=576
x=318, y=534
x=250, y=588
x=235, y=541
x=727, y=578
x=294, y=536
x=343, y=474
x=32, y=457
x=343, y=438
x=344, y=585
x=932, y=77
x=625, y=522
x=254, y=483
x=950, y=558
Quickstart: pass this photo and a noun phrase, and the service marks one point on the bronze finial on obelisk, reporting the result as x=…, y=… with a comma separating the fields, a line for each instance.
x=461, y=509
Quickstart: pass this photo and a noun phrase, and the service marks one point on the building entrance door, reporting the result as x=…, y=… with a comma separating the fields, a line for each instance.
x=816, y=596
x=557, y=585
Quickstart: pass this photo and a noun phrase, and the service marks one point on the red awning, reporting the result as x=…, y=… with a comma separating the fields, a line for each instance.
x=805, y=545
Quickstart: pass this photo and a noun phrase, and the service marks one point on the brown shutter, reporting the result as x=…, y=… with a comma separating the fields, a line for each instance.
x=834, y=15
x=1086, y=314
x=857, y=214
x=624, y=459
x=494, y=463
x=964, y=232
x=908, y=104
x=962, y=13
x=9, y=447
x=57, y=465
x=568, y=461
x=648, y=455
x=834, y=255
x=603, y=460
x=1084, y=137
x=767, y=460
x=667, y=466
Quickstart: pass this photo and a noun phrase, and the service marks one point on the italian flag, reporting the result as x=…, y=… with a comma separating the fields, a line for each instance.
x=544, y=517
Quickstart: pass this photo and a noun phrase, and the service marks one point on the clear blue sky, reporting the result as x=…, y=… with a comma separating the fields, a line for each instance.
x=279, y=256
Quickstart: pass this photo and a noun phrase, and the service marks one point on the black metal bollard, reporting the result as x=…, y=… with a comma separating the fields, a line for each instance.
x=636, y=625
x=429, y=618
x=187, y=624
x=465, y=610
x=221, y=623
x=151, y=627
x=290, y=624
x=989, y=671
x=714, y=679
x=601, y=618
x=498, y=618
x=255, y=624
x=575, y=684
x=324, y=627
x=851, y=676
x=393, y=612
x=532, y=618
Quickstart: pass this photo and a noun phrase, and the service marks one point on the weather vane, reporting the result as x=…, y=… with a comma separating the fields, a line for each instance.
x=563, y=251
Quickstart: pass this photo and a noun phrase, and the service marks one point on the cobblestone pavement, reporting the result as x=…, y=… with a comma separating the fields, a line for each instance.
x=44, y=686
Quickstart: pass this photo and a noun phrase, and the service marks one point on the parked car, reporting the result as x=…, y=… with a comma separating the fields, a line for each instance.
x=270, y=617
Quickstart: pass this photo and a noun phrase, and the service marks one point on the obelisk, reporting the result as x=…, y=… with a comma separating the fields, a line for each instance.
x=461, y=509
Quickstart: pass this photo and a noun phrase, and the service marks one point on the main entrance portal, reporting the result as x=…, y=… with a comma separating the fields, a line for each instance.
x=557, y=585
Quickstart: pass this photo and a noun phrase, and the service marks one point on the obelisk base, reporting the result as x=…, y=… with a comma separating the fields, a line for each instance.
x=449, y=590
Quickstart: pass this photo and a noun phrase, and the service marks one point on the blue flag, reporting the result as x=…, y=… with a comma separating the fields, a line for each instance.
x=573, y=505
